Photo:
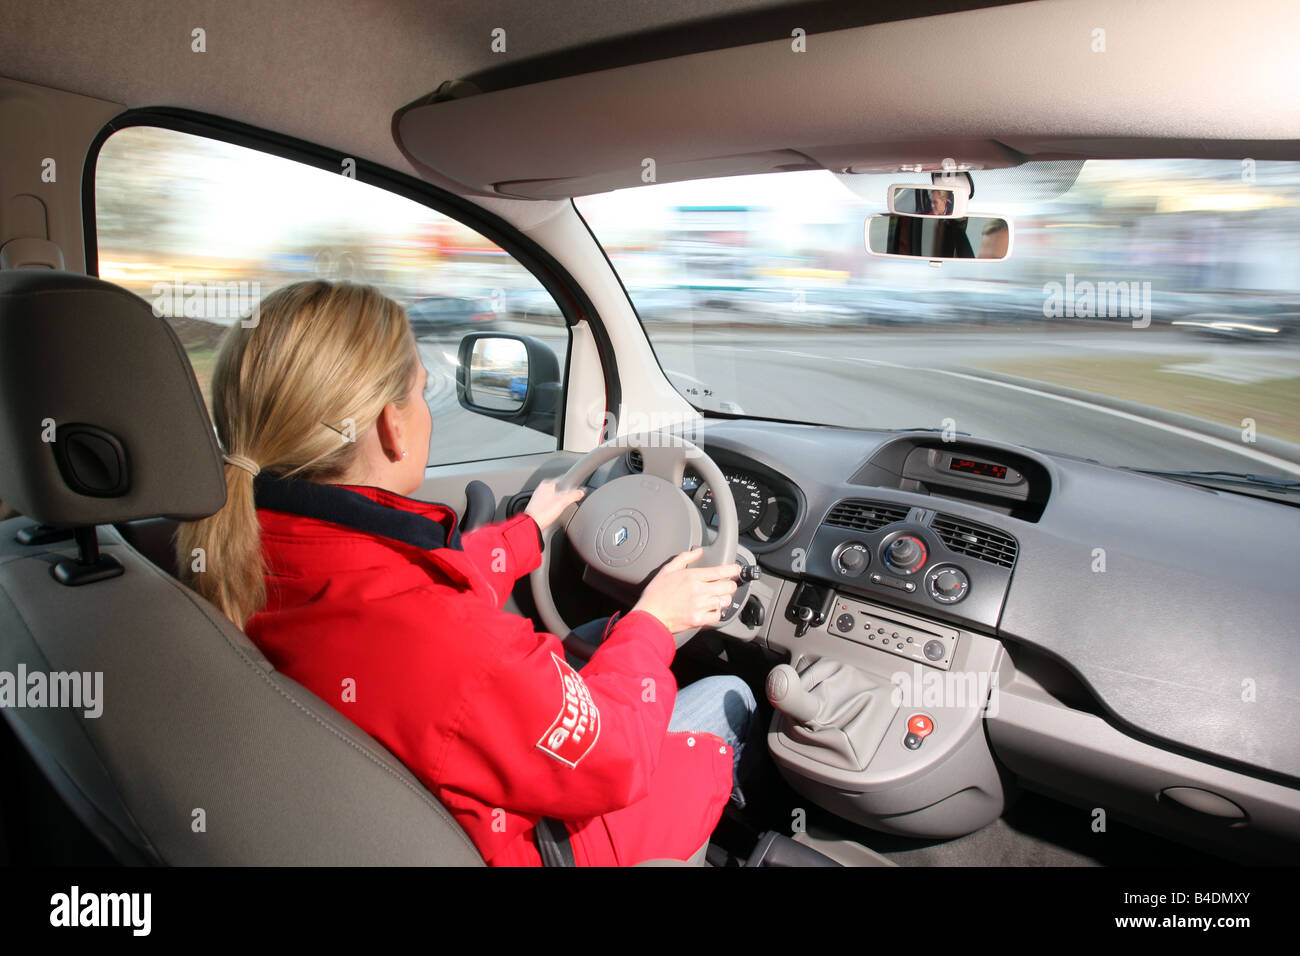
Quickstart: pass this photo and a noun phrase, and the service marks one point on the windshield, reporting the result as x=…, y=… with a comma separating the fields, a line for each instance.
x=1148, y=316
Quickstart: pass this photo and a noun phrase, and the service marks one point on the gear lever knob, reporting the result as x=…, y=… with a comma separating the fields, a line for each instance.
x=787, y=694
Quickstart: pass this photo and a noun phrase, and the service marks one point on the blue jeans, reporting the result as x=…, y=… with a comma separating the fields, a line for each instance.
x=723, y=706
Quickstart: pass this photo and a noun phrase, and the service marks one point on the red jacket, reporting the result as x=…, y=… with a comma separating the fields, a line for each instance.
x=411, y=643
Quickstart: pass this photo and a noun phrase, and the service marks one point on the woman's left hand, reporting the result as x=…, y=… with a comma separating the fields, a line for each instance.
x=547, y=504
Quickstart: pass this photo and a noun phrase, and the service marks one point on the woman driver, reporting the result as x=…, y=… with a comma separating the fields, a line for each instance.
x=375, y=602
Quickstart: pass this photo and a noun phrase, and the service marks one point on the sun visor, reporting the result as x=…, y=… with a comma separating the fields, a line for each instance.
x=777, y=161
x=1029, y=81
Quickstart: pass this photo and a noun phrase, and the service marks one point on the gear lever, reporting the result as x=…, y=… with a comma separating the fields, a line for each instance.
x=835, y=713
x=788, y=695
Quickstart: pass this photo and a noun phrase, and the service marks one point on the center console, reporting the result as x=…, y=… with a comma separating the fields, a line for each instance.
x=879, y=715
x=882, y=602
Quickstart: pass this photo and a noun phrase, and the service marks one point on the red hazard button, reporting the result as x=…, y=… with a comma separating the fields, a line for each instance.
x=920, y=725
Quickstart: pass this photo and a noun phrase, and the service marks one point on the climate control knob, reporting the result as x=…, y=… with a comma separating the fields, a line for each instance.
x=852, y=559
x=905, y=554
x=947, y=584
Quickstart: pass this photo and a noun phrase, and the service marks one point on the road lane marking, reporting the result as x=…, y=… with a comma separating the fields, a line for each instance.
x=1281, y=464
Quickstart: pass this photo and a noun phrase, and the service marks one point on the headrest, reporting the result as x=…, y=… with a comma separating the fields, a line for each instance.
x=101, y=419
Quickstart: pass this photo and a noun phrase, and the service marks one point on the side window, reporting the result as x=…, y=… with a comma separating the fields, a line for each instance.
x=202, y=229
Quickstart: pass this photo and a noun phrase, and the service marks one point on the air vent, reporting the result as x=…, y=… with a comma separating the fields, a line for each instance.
x=864, y=515
x=634, y=460
x=983, y=544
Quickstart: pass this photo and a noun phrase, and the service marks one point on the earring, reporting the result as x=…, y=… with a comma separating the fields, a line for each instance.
x=403, y=454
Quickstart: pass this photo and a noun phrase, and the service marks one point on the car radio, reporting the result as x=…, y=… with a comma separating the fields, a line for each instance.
x=922, y=641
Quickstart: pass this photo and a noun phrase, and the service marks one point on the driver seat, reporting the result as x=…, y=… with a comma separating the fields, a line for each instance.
x=194, y=750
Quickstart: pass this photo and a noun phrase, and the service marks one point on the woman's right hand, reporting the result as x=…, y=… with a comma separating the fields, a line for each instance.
x=684, y=597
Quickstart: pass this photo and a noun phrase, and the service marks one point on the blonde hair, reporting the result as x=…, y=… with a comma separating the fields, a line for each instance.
x=292, y=393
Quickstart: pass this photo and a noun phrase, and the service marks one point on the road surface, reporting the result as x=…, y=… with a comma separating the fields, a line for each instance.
x=927, y=378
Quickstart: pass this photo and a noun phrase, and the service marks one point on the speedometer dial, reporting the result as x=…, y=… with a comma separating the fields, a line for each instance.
x=749, y=498
x=778, y=516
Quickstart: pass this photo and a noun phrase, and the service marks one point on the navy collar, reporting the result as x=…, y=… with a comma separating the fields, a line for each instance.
x=341, y=506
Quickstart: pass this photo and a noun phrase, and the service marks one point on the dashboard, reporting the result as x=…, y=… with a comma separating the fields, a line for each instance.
x=874, y=545
x=1141, y=632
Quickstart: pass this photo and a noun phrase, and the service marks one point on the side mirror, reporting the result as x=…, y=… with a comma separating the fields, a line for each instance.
x=515, y=378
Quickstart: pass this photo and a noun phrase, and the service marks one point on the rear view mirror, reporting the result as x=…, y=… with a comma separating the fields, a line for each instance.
x=942, y=201
x=512, y=377
x=922, y=237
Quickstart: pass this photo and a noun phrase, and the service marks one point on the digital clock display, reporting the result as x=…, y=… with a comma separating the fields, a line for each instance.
x=978, y=468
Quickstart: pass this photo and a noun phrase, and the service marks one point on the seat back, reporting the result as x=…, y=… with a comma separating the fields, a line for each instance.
x=155, y=538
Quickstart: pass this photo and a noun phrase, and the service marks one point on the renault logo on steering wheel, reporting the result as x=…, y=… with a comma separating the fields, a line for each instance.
x=622, y=538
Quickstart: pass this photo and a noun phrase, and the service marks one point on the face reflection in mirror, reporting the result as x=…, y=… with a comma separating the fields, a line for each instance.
x=994, y=239
x=498, y=374
x=975, y=237
x=940, y=202
x=924, y=202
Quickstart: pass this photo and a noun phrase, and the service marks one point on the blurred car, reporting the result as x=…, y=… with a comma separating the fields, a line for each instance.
x=442, y=314
x=783, y=304
x=1235, y=326
x=662, y=304
x=533, y=305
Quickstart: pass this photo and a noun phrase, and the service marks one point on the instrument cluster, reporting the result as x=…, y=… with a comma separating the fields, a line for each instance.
x=765, y=512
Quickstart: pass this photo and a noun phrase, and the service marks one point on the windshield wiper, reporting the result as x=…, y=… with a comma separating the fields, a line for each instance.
x=1271, y=482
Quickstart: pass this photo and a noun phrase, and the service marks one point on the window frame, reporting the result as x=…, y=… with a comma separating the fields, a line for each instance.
x=558, y=282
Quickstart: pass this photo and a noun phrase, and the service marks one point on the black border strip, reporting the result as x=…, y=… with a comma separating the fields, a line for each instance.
x=568, y=294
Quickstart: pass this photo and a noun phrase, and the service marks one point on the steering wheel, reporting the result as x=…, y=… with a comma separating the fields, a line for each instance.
x=628, y=528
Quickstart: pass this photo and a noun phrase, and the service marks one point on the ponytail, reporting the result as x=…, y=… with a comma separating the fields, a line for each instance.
x=221, y=555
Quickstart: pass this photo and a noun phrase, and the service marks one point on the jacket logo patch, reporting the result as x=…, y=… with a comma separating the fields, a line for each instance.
x=574, y=731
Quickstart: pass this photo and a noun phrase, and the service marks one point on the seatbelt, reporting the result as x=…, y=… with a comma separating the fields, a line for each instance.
x=553, y=843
